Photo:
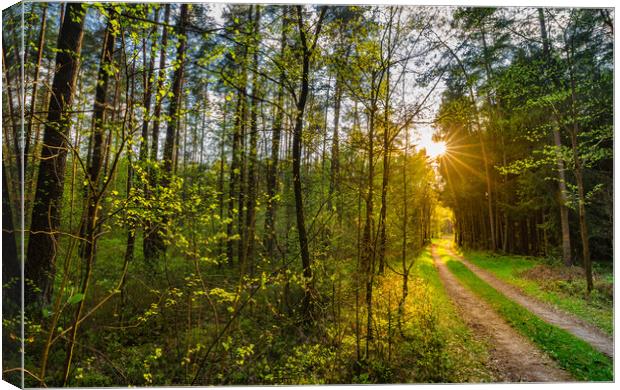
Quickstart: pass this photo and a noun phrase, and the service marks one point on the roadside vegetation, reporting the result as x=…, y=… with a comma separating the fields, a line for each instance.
x=431, y=315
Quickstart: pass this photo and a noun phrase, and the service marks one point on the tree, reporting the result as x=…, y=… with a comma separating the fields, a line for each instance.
x=308, y=45
x=152, y=242
x=272, y=163
x=45, y=221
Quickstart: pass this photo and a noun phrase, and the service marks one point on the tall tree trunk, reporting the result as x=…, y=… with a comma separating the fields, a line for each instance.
x=220, y=179
x=33, y=97
x=557, y=141
x=11, y=266
x=148, y=91
x=234, y=174
x=250, y=220
x=152, y=241
x=297, y=137
x=95, y=163
x=13, y=115
x=173, y=115
x=242, y=187
x=45, y=221
x=272, y=163
x=90, y=222
x=405, y=268
x=175, y=102
x=368, y=255
x=581, y=192
x=386, y=150
x=334, y=172
x=485, y=157
x=234, y=188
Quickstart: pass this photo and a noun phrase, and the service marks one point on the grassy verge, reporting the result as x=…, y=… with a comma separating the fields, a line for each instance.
x=462, y=357
x=572, y=354
x=566, y=294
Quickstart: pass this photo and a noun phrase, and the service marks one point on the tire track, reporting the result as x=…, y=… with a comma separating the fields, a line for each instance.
x=577, y=327
x=514, y=358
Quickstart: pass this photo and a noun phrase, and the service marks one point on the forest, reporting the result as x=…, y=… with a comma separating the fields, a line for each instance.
x=212, y=194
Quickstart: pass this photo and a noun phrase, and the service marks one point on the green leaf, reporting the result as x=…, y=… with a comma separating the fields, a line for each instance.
x=75, y=299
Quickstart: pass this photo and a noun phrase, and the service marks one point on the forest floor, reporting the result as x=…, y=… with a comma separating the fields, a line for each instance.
x=514, y=358
x=579, y=328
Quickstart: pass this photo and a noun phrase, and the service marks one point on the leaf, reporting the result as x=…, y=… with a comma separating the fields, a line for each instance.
x=75, y=299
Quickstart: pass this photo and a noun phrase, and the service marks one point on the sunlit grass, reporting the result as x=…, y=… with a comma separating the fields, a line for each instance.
x=429, y=308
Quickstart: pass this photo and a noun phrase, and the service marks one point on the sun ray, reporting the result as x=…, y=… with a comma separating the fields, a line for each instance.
x=466, y=166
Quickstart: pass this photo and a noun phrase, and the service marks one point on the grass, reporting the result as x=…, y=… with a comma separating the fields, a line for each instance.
x=462, y=357
x=572, y=354
x=568, y=295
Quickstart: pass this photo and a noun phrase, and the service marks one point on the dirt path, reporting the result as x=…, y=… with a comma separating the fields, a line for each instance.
x=514, y=358
x=577, y=327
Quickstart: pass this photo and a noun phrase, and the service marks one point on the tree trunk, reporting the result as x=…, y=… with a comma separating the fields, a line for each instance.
x=272, y=164
x=386, y=151
x=173, y=115
x=11, y=266
x=405, y=269
x=33, y=98
x=151, y=241
x=368, y=255
x=252, y=160
x=234, y=173
x=148, y=92
x=581, y=192
x=297, y=137
x=90, y=222
x=334, y=173
x=45, y=221
x=557, y=140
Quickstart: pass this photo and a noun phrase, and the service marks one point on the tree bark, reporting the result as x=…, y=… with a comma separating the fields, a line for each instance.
x=235, y=186
x=148, y=93
x=334, y=173
x=45, y=221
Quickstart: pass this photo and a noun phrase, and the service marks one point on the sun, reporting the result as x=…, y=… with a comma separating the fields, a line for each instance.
x=435, y=149
x=424, y=140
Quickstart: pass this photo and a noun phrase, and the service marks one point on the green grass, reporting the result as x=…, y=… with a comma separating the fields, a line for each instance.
x=568, y=296
x=425, y=269
x=574, y=355
x=467, y=357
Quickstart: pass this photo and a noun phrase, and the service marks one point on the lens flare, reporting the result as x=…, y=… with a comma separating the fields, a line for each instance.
x=434, y=149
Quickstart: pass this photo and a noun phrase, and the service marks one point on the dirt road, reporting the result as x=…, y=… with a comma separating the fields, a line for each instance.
x=514, y=358
x=588, y=333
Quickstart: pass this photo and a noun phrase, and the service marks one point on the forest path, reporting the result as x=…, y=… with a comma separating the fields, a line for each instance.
x=577, y=327
x=514, y=358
